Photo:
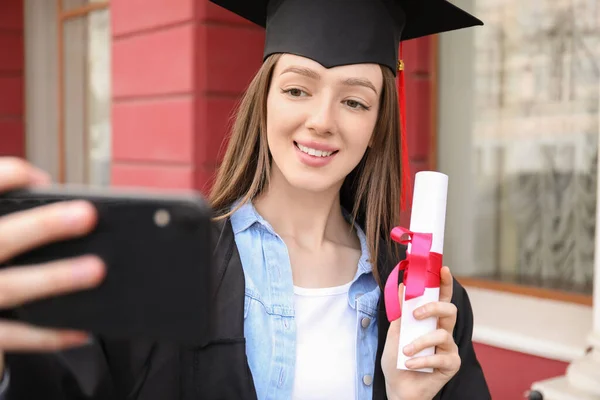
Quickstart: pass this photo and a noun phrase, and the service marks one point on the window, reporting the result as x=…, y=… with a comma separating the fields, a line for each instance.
x=525, y=141
x=68, y=93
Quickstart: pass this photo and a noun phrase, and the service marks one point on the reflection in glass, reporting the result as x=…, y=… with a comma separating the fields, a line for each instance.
x=87, y=98
x=99, y=98
x=535, y=140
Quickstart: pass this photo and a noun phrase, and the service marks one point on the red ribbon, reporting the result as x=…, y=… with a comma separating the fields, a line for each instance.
x=421, y=269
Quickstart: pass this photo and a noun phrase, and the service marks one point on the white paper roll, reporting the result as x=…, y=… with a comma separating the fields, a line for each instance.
x=428, y=215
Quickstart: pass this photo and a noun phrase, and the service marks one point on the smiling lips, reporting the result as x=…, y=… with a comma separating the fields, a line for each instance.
x=314, y=154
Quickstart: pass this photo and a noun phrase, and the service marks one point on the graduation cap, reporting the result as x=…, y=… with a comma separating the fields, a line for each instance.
x=343, y=32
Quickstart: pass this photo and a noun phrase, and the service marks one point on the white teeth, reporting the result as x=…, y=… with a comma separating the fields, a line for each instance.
x=313, y=152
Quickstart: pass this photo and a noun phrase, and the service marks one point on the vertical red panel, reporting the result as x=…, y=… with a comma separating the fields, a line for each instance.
x=420, y=112
x=419, y=75
x=12, y=140
x=178, y=70
x=153, y=90
x=230, y=54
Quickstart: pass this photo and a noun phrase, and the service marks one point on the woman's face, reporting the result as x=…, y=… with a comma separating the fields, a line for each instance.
x=320, y=121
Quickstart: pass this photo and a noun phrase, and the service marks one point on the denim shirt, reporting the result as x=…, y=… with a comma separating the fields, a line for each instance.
x=269, y=323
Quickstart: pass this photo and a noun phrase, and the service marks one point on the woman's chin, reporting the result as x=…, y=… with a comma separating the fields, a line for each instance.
x=312, y=184
x=300, y=179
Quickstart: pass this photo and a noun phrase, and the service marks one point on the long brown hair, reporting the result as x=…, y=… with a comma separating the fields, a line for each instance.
x=371, y=191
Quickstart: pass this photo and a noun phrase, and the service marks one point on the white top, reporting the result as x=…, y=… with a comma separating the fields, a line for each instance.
x=326, y=344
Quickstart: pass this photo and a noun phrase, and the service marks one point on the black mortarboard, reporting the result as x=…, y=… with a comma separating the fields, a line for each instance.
x=341, y=32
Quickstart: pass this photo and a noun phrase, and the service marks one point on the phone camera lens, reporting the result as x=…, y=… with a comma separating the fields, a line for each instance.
x=162, y=218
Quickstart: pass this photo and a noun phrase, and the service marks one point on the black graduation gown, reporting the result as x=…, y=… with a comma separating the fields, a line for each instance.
x=214, y=370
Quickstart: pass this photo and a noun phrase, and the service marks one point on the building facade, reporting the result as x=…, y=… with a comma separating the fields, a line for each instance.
x=141, y=93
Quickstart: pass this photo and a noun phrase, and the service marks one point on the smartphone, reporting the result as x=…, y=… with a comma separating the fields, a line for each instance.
x=158, y=252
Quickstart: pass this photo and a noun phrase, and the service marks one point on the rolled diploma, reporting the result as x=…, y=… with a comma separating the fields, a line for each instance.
x=428, y=215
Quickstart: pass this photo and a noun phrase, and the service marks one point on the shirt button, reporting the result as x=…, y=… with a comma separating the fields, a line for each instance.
x=358, y=296
x=367, y=380
x=365, y=322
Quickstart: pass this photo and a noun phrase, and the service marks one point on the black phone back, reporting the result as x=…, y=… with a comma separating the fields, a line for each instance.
x=158, y=253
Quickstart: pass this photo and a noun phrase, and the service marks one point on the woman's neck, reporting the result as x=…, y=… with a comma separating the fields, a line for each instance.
x=309, y=218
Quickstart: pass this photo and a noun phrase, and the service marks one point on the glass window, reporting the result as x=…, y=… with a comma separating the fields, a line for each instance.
x=87, y=97
x=534, y=142
x=68, y=89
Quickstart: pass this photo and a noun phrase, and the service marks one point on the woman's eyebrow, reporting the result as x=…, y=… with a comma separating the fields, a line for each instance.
x=309, y=73
x=360, y=82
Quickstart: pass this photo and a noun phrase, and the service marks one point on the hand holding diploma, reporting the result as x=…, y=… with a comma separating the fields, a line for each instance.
x=410, y=383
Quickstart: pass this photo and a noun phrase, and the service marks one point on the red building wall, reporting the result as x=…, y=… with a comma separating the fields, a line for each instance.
x=178, y=69
x=12, y=141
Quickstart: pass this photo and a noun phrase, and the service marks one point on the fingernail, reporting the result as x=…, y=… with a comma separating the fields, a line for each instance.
x=410, y=363
x=86, y=269
x=75, y=213
x=419, y=312
x=408, y=350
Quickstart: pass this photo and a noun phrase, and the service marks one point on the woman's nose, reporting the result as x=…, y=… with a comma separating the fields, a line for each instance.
x=322, y=118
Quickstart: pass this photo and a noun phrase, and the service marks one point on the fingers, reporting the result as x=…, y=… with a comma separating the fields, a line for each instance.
x=16, y=173
x=24, y=230
x=440, y=338
x=446, y=285
x=17, y=336
x=23, y=284
x=448, y=363
x=445, y=312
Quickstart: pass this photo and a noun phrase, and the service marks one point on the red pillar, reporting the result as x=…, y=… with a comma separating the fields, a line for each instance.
x=421, y=107
x=179, y=66
x=420, y=55
x=12, y=141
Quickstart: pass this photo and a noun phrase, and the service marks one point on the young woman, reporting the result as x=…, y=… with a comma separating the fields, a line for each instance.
x=306, y=197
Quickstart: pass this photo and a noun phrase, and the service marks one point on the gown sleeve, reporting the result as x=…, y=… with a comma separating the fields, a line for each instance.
x=469, y=383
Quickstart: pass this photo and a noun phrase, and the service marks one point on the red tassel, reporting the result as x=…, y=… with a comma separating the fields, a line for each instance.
x=405, y=191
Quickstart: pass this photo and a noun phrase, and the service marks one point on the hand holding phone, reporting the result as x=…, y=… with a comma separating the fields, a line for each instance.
x=156, y=249
x=25, y=230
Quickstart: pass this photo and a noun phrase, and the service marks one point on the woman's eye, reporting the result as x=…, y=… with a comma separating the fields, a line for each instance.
x=295, y=92
x=356, y=105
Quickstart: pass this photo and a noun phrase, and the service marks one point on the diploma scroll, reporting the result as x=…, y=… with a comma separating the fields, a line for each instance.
x=428, y=215
x=423, y=263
